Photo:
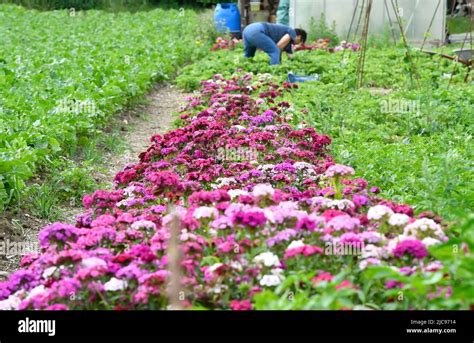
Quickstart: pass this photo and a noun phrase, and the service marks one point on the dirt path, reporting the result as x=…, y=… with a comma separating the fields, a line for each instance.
x=137, y=125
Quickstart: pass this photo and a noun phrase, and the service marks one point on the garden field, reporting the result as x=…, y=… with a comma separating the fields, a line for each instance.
x=266, y=194
x=415, y=142
x=63, y=74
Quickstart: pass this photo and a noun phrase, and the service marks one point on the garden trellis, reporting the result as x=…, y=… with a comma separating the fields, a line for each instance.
x=417, y=22
x=416, y=14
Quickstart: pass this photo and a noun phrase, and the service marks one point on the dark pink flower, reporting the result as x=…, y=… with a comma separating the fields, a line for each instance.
x=411, y=247
x=243, y=305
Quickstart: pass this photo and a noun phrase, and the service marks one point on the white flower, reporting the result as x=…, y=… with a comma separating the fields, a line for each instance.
x=123, y=202
x=214, y=267
x=303, y=165
x=184, y=235
x=425, y=225
x=236, y=265
x=266, y=167
x=295, y=244
x=35, y=291
x=267, y=259
x=205, y=212
x=235, y=193
x=263, y=190
x=365, y=263
x=218, y=289
x=340, y=204
x=429, y=241
x=434, y=266
x=378, y=212
x=48, y=272
x=223, y=181
x=239, y=127
x=372, y=236
x=11, y=303
x=268, y=212
x=398, y=219
x=270, y=280
x=93, y=262
x=144, y=224
x=129, y=190
x=371, y=250
x=115, y=284
x=278, y=272
x=320, y=201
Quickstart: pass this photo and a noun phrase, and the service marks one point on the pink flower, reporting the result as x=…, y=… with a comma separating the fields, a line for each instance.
x=87, y=201
x=345, y=284
x=322, y=276
x=339, y=170
x=393, y=284
x=103, y=220
x=411, y=247
x=344, y=222
x=58, y=233
x=252, y=219
x=243, y=305
x=306, y=250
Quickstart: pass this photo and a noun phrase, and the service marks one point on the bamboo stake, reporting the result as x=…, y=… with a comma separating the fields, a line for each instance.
x=174, y=290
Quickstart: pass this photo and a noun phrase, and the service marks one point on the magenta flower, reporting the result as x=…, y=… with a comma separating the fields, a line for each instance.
x=393, y=284
x=243, y=305
x=57, y=233
x=305, y=250
x=252, y=219
x=411, y=247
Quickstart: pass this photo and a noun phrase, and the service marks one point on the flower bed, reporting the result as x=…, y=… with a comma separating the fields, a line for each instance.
x=264, y=209
x=323, y=44
x=225, y=44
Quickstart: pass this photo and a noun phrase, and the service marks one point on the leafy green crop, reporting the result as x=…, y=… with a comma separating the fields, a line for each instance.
x=62, y=74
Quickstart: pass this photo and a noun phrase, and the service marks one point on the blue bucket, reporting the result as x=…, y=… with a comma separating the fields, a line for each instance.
x=227, y=18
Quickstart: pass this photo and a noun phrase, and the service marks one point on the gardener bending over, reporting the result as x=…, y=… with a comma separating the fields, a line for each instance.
x=271, y=38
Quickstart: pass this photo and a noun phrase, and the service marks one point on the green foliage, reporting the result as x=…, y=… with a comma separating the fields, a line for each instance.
x=298, y=292
x=458, y=25
x=114, y=5
x=321, y=29
x=62, y=76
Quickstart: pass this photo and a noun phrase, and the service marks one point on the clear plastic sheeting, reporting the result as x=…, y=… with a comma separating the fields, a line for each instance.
x=416, y=17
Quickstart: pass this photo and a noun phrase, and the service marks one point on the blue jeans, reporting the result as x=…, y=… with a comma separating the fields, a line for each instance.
x=254, y=37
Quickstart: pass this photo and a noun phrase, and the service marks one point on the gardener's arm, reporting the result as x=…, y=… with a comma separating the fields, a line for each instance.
x=284, y=41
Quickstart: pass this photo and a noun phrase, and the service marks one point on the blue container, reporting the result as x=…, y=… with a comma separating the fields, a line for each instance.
x=227, y=18
x=292, y=78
